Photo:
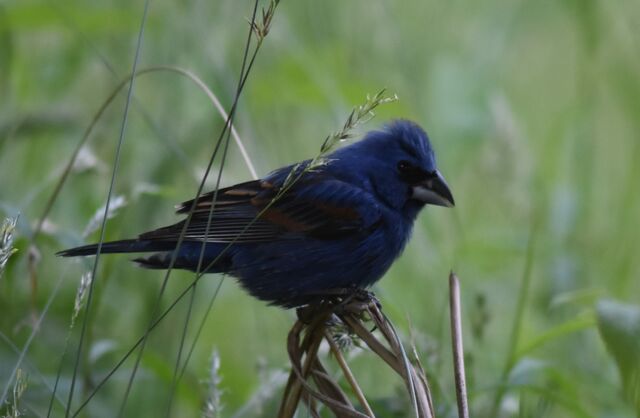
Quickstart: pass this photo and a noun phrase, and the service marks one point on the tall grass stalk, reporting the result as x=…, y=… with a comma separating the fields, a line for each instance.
x=224, y=137
x=103, y=228
x=151, y=325
x=81, y=294
x=119, y=201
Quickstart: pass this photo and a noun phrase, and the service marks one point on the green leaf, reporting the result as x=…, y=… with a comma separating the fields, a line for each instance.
x=557, y=332
x=619, y=326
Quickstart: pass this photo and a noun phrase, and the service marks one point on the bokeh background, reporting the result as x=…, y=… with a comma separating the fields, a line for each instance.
x=534, y=111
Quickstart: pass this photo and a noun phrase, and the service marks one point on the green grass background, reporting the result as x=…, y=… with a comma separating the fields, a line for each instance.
x=533, y=108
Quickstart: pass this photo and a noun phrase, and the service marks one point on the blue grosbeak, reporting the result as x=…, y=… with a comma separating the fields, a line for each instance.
x=339, y=226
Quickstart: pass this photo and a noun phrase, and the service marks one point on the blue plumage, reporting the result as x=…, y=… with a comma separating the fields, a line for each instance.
x=339, y=226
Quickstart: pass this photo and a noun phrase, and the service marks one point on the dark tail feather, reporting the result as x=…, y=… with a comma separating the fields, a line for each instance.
x=123, y=246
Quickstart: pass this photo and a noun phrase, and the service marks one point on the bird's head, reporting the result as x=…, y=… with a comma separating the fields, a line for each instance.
x=399, y=164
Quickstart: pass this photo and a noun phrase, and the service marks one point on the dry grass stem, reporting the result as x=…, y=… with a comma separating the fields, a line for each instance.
x=320, y=320
x=359, y=314
x=422, y=375
x=346, y=370
x=456, y=346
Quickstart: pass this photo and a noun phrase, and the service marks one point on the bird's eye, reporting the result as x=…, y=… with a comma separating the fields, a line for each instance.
x=404, y=165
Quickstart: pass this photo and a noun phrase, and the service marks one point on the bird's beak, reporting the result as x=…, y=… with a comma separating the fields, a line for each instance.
x=434, y=191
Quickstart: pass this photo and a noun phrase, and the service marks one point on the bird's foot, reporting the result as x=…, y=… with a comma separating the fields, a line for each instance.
x=350, y=300
x=357, y=300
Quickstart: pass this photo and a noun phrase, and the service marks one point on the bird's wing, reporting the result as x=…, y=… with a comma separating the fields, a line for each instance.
x=323, y=208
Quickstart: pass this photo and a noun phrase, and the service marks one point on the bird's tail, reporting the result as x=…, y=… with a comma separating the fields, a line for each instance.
x=122, y=246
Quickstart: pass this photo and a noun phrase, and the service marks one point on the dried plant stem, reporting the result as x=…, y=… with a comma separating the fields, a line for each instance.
x=419, y=396
x=346, y=370
x=373, y=343
x=329, y=392
x=457, y=347
x=293, y=390
x=330, y=316
x=422, y=375
x=328, y=386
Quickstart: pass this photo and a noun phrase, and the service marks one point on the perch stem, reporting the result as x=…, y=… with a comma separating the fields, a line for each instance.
x=294, y=392
x=348, y=374
x=373, y=343
x=422, y=375
x=328, y=386
x=457, y=347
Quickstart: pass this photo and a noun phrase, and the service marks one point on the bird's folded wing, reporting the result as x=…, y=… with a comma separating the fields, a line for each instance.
x=323, y=208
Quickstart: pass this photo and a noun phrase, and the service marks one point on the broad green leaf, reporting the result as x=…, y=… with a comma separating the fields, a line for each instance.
x=619, y=326
x=557, y=332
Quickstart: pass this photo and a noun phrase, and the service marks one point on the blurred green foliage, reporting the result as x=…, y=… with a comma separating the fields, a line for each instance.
x=533, y=108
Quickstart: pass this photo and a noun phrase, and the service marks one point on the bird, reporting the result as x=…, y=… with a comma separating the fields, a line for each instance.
x=304, y=231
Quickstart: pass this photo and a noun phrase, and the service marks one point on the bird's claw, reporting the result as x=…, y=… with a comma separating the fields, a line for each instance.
x=350, y=300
